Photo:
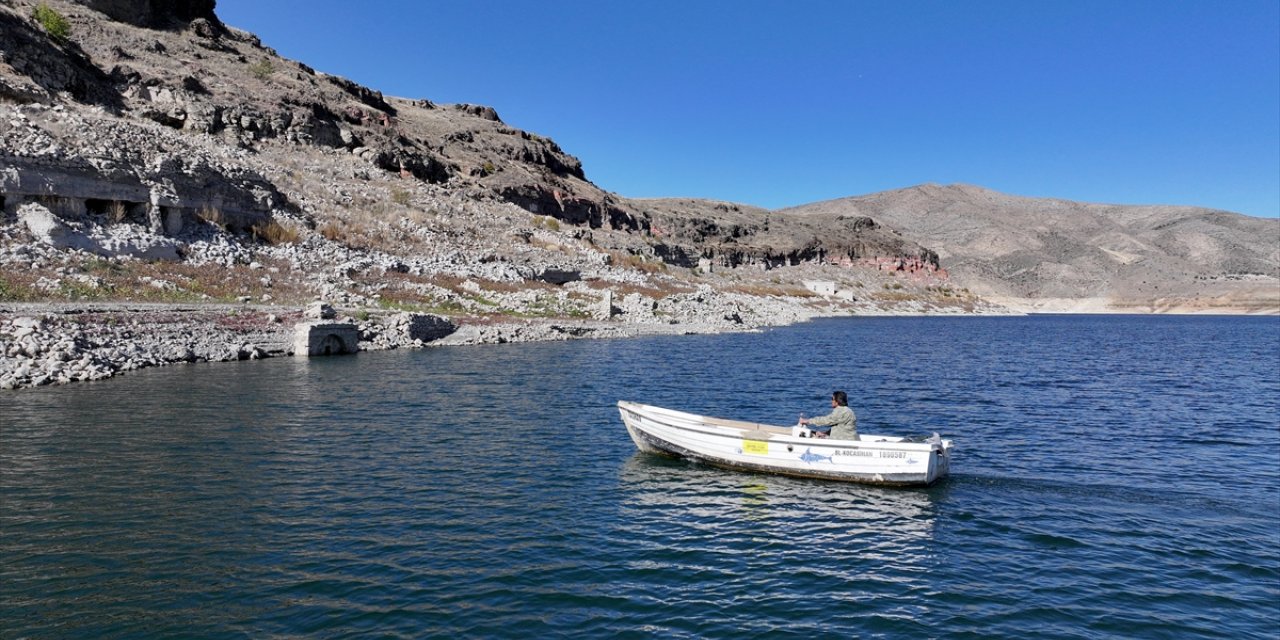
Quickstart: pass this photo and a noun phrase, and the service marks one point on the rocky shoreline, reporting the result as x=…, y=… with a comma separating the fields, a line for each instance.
x=58, y=343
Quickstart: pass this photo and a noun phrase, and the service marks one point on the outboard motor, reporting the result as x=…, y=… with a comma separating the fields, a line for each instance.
x=801, y=431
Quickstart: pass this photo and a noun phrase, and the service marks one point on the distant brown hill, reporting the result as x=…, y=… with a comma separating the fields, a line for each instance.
x=1051, y=254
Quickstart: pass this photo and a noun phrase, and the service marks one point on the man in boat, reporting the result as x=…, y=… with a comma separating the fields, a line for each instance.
x=840, y=424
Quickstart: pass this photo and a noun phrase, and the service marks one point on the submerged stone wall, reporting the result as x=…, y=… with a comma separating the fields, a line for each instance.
x=325, y=339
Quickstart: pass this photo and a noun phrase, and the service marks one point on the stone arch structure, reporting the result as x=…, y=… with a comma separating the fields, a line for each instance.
x=325, y=339
x=331, y=344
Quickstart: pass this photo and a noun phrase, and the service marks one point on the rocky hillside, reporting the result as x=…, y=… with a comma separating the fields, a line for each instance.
x=1050, y=254
x=150, y=154
x=176, y=65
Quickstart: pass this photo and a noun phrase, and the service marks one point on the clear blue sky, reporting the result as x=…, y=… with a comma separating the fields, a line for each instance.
x=779, y=103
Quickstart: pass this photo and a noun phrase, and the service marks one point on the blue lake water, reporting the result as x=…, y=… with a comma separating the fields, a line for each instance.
x=1113, y=477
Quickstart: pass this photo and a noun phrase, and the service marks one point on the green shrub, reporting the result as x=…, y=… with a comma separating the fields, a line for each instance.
x=262, y=69
x=400, y=196
x=54, y=23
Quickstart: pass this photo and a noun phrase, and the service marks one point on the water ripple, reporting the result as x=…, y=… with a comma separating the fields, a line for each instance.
x=1106, y=484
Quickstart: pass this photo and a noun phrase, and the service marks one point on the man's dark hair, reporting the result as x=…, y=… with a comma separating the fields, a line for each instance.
x=840, y=398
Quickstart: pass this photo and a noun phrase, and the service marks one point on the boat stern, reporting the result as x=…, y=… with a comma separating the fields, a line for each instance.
x=939, y=460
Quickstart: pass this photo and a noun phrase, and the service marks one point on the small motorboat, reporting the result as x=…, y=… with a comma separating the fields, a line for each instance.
x=749, y=446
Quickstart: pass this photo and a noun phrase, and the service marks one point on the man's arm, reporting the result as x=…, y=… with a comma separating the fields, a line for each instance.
x=824, y=421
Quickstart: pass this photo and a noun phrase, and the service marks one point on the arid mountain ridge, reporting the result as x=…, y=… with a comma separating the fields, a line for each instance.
x=260, y=139
x=1044, y=253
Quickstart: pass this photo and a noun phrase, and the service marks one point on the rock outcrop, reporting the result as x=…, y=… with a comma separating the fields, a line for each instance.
x=155, y=13
x=42, y=68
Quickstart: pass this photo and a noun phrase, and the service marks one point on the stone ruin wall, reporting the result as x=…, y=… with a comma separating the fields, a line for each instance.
x=74, y=189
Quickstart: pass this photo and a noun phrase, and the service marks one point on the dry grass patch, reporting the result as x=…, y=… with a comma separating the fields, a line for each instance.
x=772, y=290
x=274, y=233
x=117, y=212
x=451, y=295
x=333, y=232
x=19, y=287
x=359, y=235
x=502, y=286
x=214, y=216
x=656, y=291
x=178, y=282
x=637, y=262
x=405, y=292
x=420, y=217
x=456, y=284
x=895, y=296
x=546, y=222
x=382, y=229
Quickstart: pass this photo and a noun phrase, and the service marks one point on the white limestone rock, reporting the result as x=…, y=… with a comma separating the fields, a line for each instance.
x=320, y=310
x=48, y=229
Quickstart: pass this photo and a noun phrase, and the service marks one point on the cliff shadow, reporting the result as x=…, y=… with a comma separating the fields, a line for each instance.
x=55, y=66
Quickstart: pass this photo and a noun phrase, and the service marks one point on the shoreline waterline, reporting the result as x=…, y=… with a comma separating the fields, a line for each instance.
x=222, y=332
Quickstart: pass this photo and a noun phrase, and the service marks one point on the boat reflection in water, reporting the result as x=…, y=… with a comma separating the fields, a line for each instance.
x=800, y=538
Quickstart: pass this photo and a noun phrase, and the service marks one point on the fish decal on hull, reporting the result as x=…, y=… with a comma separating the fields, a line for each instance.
x=811, y=457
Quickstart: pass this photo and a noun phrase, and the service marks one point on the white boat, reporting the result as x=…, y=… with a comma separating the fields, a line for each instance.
x=749, y=446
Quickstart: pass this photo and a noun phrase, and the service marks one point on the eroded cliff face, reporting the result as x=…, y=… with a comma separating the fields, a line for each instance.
x=732, y=235
x=176, y=65
x=37, y=68
x=154, y=13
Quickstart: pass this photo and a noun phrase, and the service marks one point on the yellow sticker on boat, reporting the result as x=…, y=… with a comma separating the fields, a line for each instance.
x=755, y=447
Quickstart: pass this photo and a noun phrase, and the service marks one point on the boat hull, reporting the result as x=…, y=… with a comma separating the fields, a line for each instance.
x=880, y=460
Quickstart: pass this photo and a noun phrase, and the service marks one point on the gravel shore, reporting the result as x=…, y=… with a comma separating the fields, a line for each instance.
x=58, y=343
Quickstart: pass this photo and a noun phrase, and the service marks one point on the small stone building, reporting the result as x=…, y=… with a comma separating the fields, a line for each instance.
x=325, y=339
